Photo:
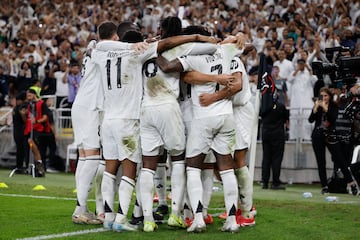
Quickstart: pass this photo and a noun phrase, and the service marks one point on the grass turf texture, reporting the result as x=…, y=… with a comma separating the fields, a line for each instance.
x=281, y=214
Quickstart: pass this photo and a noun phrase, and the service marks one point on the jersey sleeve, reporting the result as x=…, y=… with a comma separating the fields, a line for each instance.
x=185, y=63
x=202, y=48
x=108, y=45
x=237, y=66
x=150, y=52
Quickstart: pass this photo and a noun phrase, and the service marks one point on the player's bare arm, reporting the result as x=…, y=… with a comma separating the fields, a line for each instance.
x=233, y=87
x=171, y=42
x=195, y=77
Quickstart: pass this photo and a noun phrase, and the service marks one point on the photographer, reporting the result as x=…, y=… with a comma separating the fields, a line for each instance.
x=324, y=114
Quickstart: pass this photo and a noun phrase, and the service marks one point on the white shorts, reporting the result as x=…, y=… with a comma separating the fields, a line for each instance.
x=86, y=127
x=121, y=139
x=217, y=133
x=244, y=120
x=162, y=126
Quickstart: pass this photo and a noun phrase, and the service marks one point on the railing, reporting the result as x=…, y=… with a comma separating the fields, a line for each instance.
x=297, y=118
x=63, y=124
x=5, y=118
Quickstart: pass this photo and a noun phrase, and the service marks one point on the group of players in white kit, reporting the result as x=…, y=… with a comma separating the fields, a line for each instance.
x=136, y=86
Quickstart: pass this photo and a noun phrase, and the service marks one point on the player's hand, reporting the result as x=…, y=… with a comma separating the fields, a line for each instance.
x=206, y=99
x=140, y=47
x=224, y=79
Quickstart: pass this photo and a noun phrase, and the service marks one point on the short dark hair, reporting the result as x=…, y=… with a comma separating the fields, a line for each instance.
x=194, y=29
x=106, y=30
x=132, y=37
x=171, y=26
x=124, y=27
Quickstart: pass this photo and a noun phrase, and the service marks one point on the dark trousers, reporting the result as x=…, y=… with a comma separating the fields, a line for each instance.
x=20, y=149
x=50, y=143
x=273, y=152
x=319, y=144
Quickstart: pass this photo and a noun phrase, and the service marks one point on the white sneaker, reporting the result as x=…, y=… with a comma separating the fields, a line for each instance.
x=86, y=218
x=108, y=225
x=197, y=227
x=123, y=227
x=230, y=226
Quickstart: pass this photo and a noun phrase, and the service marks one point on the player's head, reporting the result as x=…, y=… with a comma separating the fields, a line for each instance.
x=107, y=30
x=126, y=26
x=170, y=26
x=132, y=37
x=193, y=29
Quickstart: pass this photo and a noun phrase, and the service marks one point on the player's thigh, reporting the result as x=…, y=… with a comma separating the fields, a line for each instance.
x=172, y=129
x=244, y=119
x=200, y=137
x=224, y=140
x=151, y=141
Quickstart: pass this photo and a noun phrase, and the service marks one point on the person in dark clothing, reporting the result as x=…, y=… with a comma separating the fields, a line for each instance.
x=4, y=87
x=49, y=84
x=273, y=143
x=18, y=132
x=324, y=114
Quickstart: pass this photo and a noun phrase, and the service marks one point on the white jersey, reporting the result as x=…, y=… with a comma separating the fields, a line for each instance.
x=160, y=87
x=121, y=79
x=217, y=63
x=243, y=96
x=90, y=94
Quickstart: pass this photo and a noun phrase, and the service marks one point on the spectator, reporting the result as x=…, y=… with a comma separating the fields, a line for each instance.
x=25, y=79
x=62, y=85
x=4, y=89
x=281, y=87
x=49, y=84
x=73, y=79
x=301, y=101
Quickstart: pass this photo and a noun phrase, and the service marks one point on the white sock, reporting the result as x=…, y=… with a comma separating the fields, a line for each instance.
x=245, y=190
x=187, y=207
x=195, y=192
x=160, y=183
x=207, y=177
x=80, y=163
x=108, y=193
x=230, y=193
x=98, y=181
x=137, y=211
x=86, y=176
x=147, y=193
x=125, y=194
x=178, y=181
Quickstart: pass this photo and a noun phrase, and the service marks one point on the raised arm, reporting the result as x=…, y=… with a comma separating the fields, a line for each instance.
x=171, y=42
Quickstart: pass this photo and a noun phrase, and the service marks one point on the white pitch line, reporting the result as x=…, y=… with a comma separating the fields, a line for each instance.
x=68, y=234
x=41, y=197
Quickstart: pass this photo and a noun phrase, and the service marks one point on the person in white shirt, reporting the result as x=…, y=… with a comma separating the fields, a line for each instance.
x=86, y=122
x=302, y=81
x=161, y=127
x=212, y=128
x=244, y=117
x=121, y=77
x=286, y=68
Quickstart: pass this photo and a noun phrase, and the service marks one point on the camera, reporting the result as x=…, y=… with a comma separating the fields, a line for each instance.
x=342, y=71
x=320, y=97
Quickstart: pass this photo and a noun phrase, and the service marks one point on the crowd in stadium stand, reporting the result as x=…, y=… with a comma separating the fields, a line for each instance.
x=42, y=41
